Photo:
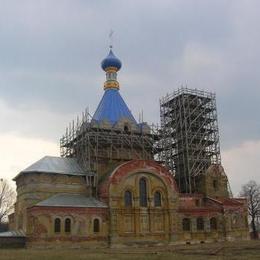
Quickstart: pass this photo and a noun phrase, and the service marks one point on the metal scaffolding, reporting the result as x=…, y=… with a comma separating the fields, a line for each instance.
x=189, y=135
x=95, y=144
x=187, y=142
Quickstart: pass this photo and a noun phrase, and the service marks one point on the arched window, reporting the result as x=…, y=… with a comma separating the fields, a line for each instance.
x=143, y=192
x=57, y=227
x=67, y=225
x=96, y=227
x=128, y=198
x=157, y=199
x=213, y=223
x=186, y=224
x=200, y=223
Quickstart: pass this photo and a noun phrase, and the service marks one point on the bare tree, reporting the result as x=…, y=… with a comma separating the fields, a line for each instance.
x=7, y=200
x=251, y=191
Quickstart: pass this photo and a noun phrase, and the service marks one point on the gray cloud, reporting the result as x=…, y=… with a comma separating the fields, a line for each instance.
x=50, y=53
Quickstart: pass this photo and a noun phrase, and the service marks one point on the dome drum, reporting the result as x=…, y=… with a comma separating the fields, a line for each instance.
x=111, y=84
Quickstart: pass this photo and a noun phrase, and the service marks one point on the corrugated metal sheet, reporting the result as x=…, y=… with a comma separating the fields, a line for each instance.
x=112, y=108
x=50, y=164
x=70, y=200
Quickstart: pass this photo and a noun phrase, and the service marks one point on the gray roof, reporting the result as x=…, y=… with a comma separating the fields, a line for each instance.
x=71, y=200
x=56, y=165
x=17, y=233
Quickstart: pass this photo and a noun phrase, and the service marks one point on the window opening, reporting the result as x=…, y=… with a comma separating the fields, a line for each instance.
x=143, y=192
x=157, y=199
x=57, y=225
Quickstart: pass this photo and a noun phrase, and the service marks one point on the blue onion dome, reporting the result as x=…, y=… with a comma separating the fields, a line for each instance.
x=111, y=61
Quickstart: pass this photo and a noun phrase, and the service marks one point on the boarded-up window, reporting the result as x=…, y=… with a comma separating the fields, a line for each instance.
x=143, y=192
x=186, y=224
x=213, y=223
x=96, y=227
x=67, y=225
x=128, y=199
x=128, y=223
x=144, y=223
x=200, y=223
x=57, y=225
x=158, y=222
x=157, y=199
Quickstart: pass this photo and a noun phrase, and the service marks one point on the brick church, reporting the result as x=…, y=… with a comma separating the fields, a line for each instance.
x=120, y=182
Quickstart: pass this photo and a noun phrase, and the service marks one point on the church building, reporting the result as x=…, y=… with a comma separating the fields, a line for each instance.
x=109, y=188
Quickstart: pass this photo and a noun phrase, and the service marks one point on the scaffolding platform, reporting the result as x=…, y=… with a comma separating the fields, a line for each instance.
x=96, y=145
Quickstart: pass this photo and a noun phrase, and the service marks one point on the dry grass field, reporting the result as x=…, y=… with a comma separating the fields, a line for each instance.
x=249, y=250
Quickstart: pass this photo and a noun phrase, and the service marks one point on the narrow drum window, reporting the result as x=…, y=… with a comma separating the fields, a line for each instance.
x=143, y=192
x=157, y=199
x=215, y=185
x=186, y=224
x=200, y=224
x=96, y=225
x=67, y=225
x=128, y=199
x=213, y=223
x=57, y=223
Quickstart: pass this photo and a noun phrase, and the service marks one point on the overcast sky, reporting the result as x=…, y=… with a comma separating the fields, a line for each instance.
x=50, y=54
